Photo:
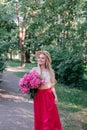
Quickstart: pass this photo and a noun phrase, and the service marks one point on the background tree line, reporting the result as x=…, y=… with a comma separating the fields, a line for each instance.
x=54, y=25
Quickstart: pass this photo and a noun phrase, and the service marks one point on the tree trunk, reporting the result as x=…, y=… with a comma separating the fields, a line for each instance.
x=27, y=56
x=22, y=37
x=10, y=55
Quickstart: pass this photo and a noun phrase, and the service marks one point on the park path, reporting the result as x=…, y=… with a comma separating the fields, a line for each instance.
x=16, y=110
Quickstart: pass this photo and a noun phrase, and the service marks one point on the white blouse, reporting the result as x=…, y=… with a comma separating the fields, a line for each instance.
x=46, y=76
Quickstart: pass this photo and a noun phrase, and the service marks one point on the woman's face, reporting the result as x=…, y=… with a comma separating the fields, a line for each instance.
x=41, y=59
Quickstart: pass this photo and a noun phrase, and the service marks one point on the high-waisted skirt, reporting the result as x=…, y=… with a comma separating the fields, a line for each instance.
x=46, y=116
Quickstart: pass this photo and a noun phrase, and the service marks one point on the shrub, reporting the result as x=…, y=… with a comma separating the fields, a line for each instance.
x=68, y=66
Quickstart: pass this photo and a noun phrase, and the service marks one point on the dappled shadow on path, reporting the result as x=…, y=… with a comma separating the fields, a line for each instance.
x=11, y=96
x=16, y=110
x=17, y=98
x=17, y=69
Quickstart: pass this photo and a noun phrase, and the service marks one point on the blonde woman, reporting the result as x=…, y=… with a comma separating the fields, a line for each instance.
x=46, y=116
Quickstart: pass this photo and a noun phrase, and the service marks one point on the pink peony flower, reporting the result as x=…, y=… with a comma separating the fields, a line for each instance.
x=30, y=81
x=24, y=90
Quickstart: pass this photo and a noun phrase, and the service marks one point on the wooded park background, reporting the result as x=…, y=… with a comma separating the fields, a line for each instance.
x=58, y=26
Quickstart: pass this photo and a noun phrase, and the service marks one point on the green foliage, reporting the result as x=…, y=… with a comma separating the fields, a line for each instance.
x=68, y=66
x=72, y=96
x=58, y=23
x=72, y=103
x=20, y=74
x=55, y=22
x=14, y=63
x=8, y=32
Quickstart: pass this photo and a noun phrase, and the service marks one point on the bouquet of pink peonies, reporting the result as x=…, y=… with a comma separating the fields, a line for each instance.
x=29, y=83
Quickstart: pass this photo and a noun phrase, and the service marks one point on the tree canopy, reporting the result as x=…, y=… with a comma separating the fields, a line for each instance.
x=32, y=25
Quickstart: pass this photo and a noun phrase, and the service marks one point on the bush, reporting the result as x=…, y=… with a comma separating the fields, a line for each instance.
x=68, y=66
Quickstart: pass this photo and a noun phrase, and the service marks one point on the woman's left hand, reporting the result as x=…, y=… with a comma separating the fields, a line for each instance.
x=56, y=100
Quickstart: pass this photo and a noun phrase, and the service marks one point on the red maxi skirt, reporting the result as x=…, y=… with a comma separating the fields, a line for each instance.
x=46, y=116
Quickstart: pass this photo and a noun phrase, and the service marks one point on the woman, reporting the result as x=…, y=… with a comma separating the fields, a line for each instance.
x=46, y=115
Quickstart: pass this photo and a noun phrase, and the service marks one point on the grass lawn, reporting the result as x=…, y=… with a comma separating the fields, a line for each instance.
x=17, y=63
x=14, y=63
x=72, y=104
x=72, y=107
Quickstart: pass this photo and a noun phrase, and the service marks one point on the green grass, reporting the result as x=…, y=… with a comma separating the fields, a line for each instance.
x=17, y=63
x=14, y=63
x=20, y=74
x=72, y=103
x=73, y=107
x=30, y=65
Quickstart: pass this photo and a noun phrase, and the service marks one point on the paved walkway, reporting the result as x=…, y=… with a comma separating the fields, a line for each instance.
x=16, y=111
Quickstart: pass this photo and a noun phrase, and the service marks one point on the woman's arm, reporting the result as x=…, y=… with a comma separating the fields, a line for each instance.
x=54, y=91
x=53, y=82
x=55, y=95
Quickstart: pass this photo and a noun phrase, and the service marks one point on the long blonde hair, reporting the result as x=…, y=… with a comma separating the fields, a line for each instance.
x=48, y=65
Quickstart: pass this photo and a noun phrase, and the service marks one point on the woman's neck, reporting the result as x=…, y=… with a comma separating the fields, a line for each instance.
x=42, y=67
